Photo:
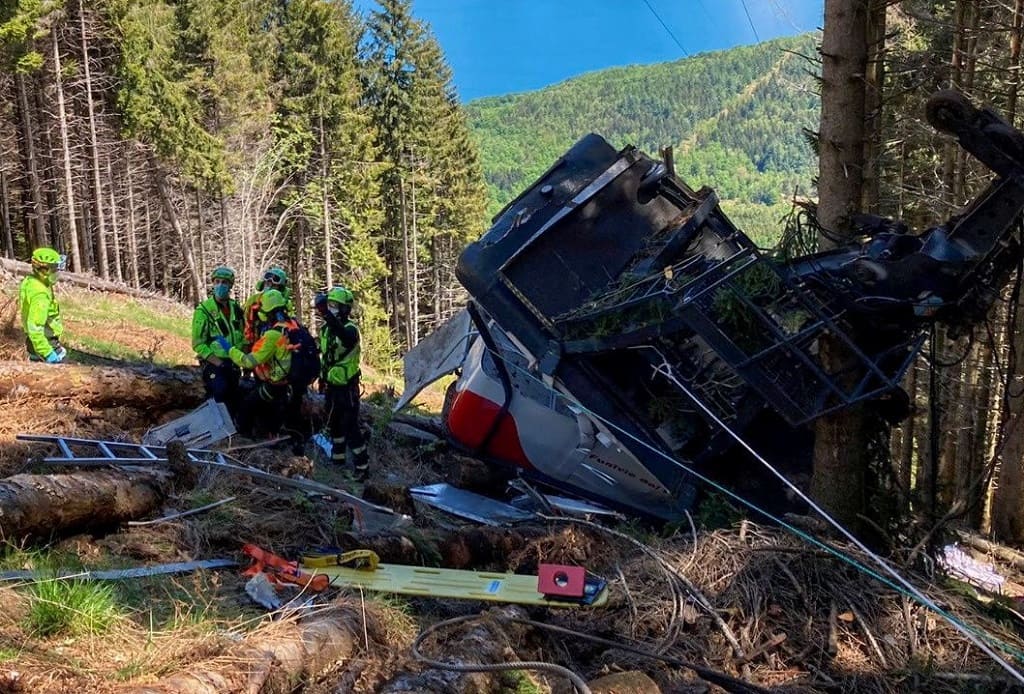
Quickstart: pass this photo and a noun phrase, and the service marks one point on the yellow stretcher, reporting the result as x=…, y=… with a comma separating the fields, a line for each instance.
x=444, y=583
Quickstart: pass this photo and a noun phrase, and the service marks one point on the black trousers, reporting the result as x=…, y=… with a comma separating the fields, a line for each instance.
x=221, y=383
x=343, y=408
x=262, y=411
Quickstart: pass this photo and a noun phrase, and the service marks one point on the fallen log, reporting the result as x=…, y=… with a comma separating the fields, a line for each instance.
x=139, y=386
x=1001, y=552
x=20, y=268
x=479, y=659
x=276, y=659
x=40, y=506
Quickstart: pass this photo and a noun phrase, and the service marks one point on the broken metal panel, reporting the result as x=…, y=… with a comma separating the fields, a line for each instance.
x=437, y=355
x=208, y=424
x=468, y=505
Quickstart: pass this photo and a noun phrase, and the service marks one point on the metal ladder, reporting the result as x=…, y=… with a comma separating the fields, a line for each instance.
x=94, y=452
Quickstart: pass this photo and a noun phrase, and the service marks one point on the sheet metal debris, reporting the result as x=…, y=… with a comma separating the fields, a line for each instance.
x=208, y=424
x=961, y=565
x=469, y=505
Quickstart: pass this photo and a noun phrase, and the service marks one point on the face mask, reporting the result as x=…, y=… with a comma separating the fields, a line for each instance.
x=221, y=291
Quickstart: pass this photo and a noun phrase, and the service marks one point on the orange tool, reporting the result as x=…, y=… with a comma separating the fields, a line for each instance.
x=280, y=570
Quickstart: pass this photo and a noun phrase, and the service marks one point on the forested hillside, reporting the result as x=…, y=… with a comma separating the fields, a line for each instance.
x=735, y=119
x=152, y=140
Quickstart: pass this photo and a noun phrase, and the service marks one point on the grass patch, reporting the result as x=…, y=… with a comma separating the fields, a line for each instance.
x=8, y=654
x=71, y=606
x=113, y=310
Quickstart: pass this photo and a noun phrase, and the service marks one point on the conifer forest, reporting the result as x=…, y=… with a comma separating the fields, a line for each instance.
x=152, y=140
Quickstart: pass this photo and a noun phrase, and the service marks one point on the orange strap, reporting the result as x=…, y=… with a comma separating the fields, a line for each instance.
x=280, y=570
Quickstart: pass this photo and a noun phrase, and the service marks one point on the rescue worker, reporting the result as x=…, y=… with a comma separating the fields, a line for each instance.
x=340, y=356
x=263, y=409
x=274, y=278
x=40, y=312
x=219, y=316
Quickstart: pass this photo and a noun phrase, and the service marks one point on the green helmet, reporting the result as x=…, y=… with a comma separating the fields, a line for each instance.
x=46, y=256
x=340, y=295
x=275, y=276
x=271, y=300
x=223, y=273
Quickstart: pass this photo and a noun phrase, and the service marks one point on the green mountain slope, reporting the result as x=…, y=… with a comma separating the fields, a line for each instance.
x=735, y=119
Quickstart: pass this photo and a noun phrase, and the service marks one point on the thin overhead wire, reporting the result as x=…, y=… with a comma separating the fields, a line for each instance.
x=751, y=21
x=665, y=27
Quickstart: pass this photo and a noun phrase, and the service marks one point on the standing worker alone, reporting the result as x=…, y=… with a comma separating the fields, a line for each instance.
x=340, y=350
x=40, y=312
x=219, y=316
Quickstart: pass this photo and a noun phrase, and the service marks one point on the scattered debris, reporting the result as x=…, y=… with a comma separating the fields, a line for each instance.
x=207, y=425
x=119, y=574
x=961, y=565
x=469, y=505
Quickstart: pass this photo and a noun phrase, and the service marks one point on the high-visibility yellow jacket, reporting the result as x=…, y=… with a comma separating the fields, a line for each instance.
x=40, y=314
x=341, y=353
x=270, y=358
x=211, y=320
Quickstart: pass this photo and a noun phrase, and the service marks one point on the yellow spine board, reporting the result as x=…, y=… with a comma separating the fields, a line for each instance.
x=447, y=583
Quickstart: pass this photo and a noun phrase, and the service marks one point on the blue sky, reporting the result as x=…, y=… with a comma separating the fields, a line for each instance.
x=501, y=46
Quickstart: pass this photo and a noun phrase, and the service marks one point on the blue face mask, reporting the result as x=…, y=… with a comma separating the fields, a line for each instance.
x=221, y=291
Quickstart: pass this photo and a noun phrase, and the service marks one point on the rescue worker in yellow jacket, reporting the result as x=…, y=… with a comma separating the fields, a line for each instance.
x=274, y=278
x=340, y=371
x=40, y=312
x=219, y=316
x=263, y=410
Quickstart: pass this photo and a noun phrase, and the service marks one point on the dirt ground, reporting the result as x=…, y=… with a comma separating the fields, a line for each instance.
x=749, y=601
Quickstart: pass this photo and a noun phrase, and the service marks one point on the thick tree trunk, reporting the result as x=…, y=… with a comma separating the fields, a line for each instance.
x=40, y=506
x=279, y=659
x=840, y=458
x=114, y=231
x=142, y=387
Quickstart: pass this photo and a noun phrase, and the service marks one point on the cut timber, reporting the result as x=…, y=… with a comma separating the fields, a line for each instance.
x=17, y=267
x=1001, y=552
x=142, y=387
x=277, y=660
x=39, y=506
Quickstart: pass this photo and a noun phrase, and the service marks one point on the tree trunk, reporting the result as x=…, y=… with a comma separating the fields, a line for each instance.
x=840, y=450
x=94, y=151
x=35, y=231
x=195, y=280
x=41, y=506
x=115, y=234
x=133, y=231
x=874, y=88
x=280, y=657
x=141, y=387
x=69, y=185
x=5, y=216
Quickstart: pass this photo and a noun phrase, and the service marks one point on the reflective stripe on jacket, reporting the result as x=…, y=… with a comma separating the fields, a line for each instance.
x=340, y=364
x=209, y=322
x=270, y=358
x=40, y=314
